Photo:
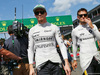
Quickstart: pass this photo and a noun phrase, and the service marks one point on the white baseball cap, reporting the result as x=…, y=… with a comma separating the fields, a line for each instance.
x=39, y=6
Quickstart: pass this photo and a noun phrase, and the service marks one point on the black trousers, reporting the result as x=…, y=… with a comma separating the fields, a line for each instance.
x=50, y=68
x=93, y=69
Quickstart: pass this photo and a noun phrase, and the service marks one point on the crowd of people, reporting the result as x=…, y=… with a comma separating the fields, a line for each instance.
x=50, y=49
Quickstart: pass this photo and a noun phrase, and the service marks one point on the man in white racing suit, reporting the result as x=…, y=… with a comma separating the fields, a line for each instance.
x=86, y=33
x=42, y=38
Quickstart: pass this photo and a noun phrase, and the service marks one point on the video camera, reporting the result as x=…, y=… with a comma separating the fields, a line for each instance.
x=19, y=29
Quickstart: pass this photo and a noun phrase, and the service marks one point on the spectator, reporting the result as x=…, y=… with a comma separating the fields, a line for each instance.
x=70, y=46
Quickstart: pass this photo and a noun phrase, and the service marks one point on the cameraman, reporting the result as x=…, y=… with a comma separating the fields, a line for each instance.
x=18, y=46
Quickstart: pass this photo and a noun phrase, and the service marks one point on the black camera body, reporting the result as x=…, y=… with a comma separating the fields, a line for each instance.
x=19, y=29
x=12, y=64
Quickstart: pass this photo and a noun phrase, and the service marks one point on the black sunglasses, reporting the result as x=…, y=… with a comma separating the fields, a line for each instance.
x=80, y=15
x=37, y=13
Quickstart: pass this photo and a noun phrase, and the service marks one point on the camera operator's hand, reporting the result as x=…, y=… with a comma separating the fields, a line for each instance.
x=5, y=58
x=32, y=72
x=9, y=54
x=19, y=58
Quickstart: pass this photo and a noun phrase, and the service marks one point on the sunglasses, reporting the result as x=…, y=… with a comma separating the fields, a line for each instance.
x=37, y=13
x=80, y=15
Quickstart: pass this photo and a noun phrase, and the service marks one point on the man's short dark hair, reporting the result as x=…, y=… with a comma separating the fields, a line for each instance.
x=10, y=29
x=82, y=9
